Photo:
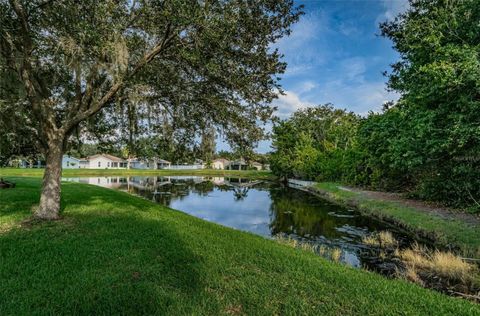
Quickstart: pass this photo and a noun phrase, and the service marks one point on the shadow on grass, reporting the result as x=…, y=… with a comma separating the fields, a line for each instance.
x=105, y=257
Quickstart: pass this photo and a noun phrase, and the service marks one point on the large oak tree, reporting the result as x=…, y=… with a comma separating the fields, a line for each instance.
x=209, y=62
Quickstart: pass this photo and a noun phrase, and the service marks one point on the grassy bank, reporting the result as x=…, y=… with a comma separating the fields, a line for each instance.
x=6, y=172
x=117, y=254
x=444, y=231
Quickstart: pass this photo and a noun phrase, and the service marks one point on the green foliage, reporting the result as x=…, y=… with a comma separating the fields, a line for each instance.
x=123, y=71
x=427, y=144
x=438, y=75
x=315, y=143
x=305, y=156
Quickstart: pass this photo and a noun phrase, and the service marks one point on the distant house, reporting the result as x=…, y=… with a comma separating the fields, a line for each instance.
x=238, y=165
x=69, y=162
x=220, y=164
x=163, y=164
x=257, y=165
x=99, y=161
x=154, y=163
x=84, y=163
x=18, y=163
x=105, y=161
x=136, y=163
x=24, y=163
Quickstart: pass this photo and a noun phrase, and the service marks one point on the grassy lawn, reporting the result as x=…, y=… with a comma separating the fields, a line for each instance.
x=5, y=172
x=117, y=254
x=444, y=231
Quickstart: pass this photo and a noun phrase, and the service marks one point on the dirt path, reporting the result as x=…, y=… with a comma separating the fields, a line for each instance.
x=422, y=206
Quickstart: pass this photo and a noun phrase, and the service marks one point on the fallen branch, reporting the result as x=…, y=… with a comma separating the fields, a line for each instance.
x=475, y=297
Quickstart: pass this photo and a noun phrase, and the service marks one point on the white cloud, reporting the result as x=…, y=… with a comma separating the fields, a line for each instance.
x=360, y=98
x=304, y=48
x=306, y=86
x=349, y=28
x=288, y=103
x=354, y=68
x=392, y=9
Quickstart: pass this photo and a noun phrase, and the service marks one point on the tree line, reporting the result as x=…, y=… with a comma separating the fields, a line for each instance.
x=427, y=143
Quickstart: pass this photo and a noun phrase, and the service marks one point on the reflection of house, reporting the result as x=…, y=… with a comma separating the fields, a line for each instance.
x=107, y=182
x=238, y=165
x=218, y=180
x=220, y=164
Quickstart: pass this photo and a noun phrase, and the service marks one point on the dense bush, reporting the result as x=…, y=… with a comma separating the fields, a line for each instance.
x=427, y=144
x=315, y=143
x=387, y=151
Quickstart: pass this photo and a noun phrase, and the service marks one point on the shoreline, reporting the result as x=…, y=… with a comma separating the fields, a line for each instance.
x=134, y=255
x=449, y=233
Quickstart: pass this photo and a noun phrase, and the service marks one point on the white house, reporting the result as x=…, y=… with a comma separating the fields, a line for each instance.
x=220, y=163
x=139, y=164
x=24, y=163
x=238, y=165
x=84, y=163
x=69, y=162
x=162, y=164
x=155, y=163
x=257, y=165
x=105, y=161
x=101, y=161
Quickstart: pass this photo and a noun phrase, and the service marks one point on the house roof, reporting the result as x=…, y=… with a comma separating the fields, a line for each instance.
x=110, y=157
x=70, y=157
x=255, y=163
x=163, y=161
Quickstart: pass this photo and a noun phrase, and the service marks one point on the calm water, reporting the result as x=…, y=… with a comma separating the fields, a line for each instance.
x=263, y=208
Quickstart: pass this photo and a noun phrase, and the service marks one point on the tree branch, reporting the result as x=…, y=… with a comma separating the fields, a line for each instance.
x=44, y=114
x=147, y=58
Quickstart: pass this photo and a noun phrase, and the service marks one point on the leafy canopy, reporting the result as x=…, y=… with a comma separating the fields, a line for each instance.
x=155, y=67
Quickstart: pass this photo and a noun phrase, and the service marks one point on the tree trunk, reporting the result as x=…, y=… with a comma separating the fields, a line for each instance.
x=49, y=208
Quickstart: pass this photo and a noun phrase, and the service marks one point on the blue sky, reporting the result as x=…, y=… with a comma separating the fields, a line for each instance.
x=335, y=55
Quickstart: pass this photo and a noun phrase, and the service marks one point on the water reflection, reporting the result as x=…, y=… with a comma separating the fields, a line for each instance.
x=263, y=208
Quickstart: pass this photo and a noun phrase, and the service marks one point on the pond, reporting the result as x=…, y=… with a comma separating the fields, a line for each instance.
x=263, y=208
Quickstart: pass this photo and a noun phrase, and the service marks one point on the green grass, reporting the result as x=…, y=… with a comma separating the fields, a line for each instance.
x=444, y=231
x=117, y=254
x=6, y=172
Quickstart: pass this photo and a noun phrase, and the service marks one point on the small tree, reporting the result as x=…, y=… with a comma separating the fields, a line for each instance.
x=202, y=61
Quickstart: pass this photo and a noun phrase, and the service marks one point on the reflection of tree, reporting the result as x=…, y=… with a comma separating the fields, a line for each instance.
x=240, y=193
x=203, y=188
x=294, y=211
x=164, y=190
